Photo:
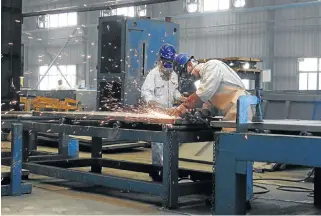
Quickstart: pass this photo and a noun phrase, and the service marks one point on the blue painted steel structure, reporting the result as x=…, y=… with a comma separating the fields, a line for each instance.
x=128, y=50
x=169, y=189
x=68, y=148
x=16, y=186
x=236, y=151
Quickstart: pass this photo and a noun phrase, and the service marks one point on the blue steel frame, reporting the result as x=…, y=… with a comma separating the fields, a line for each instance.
x=29, y=142
x=170, y=189
x=16, y=186
x=235, y=153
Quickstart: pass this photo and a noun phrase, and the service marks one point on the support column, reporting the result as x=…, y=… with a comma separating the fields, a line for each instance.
x=33, y=141
x=63, y=144
x=170, y=170
x=230, y=187
x=16, y=159
x=96, y=152
x=317, y=187
x=25, y=145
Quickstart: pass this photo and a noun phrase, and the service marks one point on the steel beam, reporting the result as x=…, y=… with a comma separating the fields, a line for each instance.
x=16, y=187
x=276, y=125
x=106, y=6
x=96, y=152
x=233, y=150
x=97, y=179
x=170, y=169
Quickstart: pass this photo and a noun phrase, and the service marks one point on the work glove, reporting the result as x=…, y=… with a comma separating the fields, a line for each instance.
x=178, y=112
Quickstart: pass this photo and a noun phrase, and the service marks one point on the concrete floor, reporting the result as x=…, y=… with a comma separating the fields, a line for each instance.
x=52, y=196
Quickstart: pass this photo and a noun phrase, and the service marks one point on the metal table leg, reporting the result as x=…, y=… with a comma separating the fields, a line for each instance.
x=63, y=144
x=96, y=152
x=25, y=146
x=33, y=141
x=230, y=177
x=16, y=187
x=170, y=170
x=317, y=187
x=16, y=156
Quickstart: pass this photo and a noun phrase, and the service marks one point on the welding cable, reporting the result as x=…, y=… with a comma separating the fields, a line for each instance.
x=264, y=191
x=311, y=194
x=292, y=188
x=295, y=189
x=286, y=180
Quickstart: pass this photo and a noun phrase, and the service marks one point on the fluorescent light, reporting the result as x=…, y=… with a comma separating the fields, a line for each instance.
x=246, y=66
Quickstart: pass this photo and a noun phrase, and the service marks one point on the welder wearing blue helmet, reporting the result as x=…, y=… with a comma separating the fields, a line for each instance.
x=219, y=87
x=160, y=88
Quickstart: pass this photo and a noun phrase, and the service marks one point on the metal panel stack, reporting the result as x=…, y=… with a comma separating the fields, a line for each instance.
x=11, y=64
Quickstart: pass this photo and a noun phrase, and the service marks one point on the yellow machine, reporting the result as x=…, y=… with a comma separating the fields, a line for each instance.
x=44, y=103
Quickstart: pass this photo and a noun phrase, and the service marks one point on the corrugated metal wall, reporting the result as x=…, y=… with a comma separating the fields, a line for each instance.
x=278, y=37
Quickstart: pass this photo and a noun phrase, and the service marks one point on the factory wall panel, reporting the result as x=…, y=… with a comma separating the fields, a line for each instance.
x=278, y=37
x=297, y=35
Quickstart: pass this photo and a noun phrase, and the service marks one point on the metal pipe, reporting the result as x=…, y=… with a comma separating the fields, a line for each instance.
x=93, y=8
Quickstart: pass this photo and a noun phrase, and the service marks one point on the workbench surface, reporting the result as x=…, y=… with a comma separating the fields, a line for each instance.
x=276, y=125
x=151, y=117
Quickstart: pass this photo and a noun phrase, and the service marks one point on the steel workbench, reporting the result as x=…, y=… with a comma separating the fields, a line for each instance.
x=284, y=144
x=14, y=185
x=168, y=132
x=10, y=118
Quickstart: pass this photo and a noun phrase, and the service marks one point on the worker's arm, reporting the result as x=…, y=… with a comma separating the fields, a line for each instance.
x=210, y=82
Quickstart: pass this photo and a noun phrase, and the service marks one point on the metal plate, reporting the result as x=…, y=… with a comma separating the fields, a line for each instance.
x=116, y=116
x=276, y=125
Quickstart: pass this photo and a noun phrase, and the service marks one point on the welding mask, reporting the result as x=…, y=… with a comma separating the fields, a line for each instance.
x=166, y=67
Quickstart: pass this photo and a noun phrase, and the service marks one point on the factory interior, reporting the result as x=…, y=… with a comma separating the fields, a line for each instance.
x=160, y=107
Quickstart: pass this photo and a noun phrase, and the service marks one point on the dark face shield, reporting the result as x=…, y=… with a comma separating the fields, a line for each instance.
x=166, y=67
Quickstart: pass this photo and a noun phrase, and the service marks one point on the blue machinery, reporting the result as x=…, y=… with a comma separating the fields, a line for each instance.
x=128, y=50
x=236, y=151
x=16, y=187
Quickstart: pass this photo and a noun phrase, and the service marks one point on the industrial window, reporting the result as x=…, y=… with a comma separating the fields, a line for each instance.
x=238, y=3
x=192, y=6
x=125, y=11
x=142, y=10
x=309, y=73
x=58, y=20
x=246, y=83
x=215, y=5
x=50, y=80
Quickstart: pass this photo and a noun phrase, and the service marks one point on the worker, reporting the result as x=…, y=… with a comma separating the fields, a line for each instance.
x=219, y=87
x=160, y=88
x=60, y=86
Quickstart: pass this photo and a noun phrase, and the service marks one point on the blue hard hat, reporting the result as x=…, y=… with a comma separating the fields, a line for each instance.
x=180, y=62
x=167, y=53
